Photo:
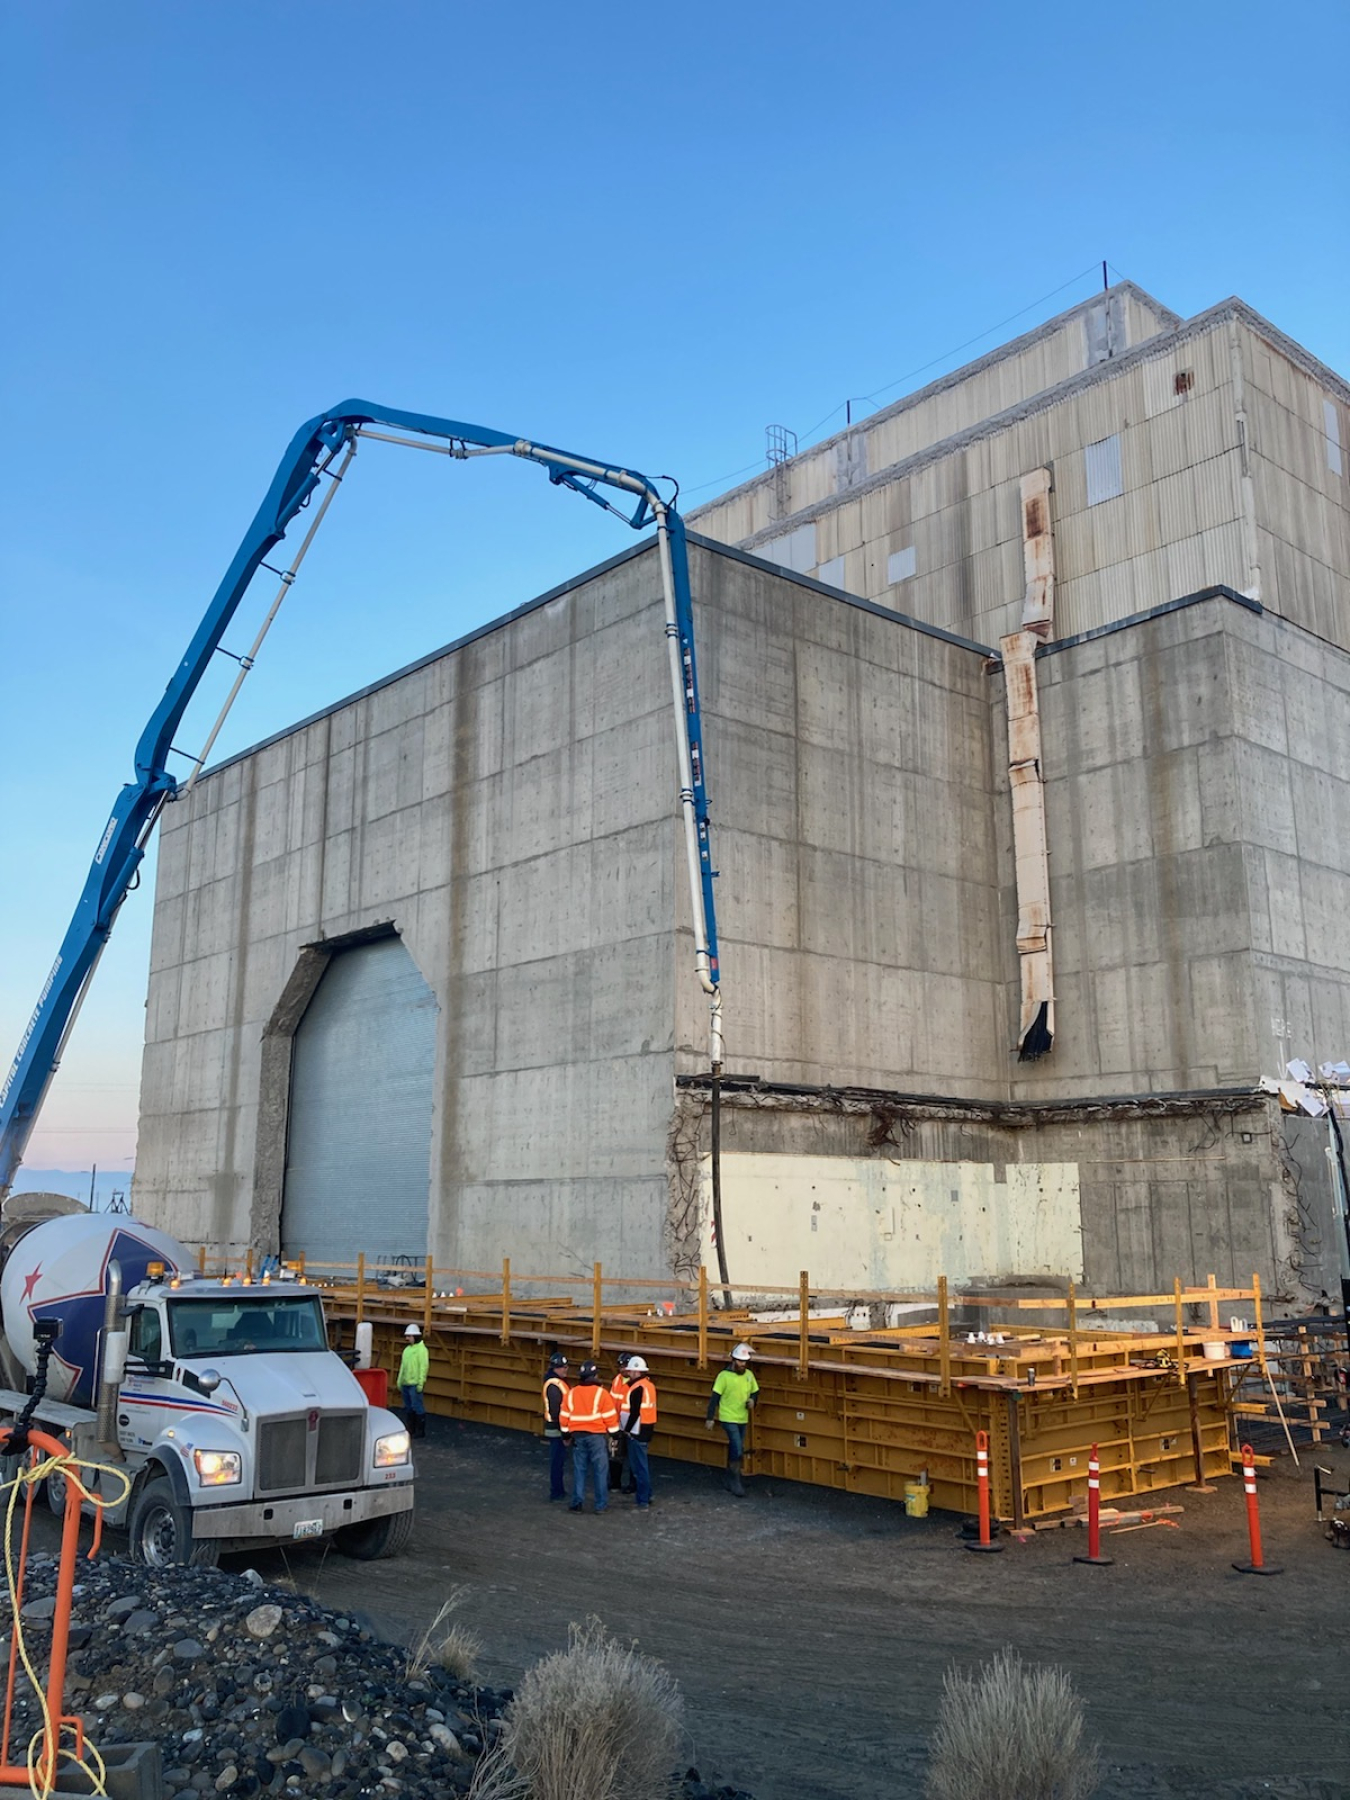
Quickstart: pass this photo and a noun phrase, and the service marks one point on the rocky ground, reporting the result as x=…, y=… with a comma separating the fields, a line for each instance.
x=809, y=1630
x=250, y=1689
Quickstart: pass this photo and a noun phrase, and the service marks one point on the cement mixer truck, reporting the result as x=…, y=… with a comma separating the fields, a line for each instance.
x=218, y=1398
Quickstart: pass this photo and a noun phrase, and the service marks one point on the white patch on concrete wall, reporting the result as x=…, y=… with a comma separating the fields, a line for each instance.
x=900, y=565
x=1332, y=423
x=832, y=572
x=1105, y=331
x=1102, y=465
x=795, y=550
x=862, y=1223
x=850, y=461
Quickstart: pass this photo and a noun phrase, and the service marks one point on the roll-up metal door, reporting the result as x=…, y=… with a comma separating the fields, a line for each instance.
x=358, y=1149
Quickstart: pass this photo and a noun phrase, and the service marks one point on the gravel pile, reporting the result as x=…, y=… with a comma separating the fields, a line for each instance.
x=256, y=1690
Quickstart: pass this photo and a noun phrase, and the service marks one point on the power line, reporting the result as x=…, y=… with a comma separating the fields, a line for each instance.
x=922, y=369
x=1020, y=313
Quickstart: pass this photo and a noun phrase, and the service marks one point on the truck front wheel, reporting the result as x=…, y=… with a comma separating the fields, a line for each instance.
x=55, y=1486
x=161, y=1532
x=374, y=1538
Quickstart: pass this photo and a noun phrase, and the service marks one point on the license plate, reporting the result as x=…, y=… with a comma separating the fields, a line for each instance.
x=308, y=1528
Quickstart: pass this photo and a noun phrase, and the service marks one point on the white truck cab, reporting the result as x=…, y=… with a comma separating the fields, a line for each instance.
x=219, y=1398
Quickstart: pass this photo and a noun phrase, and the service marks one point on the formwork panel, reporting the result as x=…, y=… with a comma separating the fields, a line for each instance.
x=864, y=1412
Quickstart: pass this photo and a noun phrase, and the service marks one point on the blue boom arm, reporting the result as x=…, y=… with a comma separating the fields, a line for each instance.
x=121, y=845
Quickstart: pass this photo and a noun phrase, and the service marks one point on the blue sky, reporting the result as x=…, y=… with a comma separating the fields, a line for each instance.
x=641, y=234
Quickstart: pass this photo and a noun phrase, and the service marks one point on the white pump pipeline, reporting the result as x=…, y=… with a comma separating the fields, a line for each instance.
x=702, y=953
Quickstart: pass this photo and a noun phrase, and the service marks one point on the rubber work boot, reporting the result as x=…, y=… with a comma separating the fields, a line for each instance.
x=734, y=1483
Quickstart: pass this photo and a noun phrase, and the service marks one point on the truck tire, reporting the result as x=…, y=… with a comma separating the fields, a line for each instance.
x=375, y=1538
x=161, y=1532
x=54, y=1487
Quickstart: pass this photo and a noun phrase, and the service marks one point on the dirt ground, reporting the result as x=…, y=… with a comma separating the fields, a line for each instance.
x=810, y=1630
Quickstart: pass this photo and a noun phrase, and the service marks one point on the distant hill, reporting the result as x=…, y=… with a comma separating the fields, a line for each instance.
x=76, y=1183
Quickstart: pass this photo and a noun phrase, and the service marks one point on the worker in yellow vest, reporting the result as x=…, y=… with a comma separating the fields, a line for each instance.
x=733, y=1398
x=412, y=1378
x=555, y=1390
x=588, y=1416
x=637, y=1425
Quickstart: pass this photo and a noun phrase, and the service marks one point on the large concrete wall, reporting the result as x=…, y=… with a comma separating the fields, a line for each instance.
x=858, y=899
x=1128, y=1199
x=1229, y=475
x=1297, y=416
x=1195, y=788
x=1009, y=376
x=508, y=808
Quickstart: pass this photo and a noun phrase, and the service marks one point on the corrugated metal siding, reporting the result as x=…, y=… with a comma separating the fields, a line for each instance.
x=359, y=1139
x=1155, y=525
x=815, y=474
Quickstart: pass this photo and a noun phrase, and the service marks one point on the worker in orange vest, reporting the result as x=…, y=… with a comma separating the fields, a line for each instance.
x=637, y=1424
x=555, y=1391
x=618, y=1445
x=588, y=1416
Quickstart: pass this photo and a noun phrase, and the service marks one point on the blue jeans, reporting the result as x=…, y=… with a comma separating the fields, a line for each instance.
x=590, y=1450
x=735, y=1439
x=557, y=1462
x=641, y=1470
x=412, y=1400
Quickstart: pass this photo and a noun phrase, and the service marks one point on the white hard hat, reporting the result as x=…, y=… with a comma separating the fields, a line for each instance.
x=742, y=1353
x=636, y=1366
x=412, y=1331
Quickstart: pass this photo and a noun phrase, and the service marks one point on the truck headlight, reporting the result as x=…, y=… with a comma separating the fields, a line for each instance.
x=218, y=1468
x=396, y=1448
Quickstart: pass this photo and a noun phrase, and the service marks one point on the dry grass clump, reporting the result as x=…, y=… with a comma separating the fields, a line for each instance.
x=458, y=1653
x=453, y=1648
x=597, y=1721
x=1011, y=1733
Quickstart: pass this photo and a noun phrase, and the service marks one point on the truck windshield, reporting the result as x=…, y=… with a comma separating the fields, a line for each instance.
x=240, y=1324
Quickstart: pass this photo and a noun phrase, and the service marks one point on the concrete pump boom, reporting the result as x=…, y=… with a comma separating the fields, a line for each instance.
x=310, y=457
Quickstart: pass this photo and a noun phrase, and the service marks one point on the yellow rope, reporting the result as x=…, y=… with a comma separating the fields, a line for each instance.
x=42, y=1782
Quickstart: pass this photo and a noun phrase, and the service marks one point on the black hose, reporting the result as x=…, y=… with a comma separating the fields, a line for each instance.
x=1345, y=1208
x=17, y=1444
x=716, y=1157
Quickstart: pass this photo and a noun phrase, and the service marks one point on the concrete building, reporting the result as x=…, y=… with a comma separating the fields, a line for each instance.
x=1027, y=712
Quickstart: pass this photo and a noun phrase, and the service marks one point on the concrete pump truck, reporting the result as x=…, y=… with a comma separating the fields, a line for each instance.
x=232, y=1421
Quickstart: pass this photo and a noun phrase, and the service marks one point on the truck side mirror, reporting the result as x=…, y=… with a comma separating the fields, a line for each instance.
x=208, y=1380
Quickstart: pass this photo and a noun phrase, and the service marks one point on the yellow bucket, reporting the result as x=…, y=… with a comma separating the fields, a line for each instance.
x=916, y=1499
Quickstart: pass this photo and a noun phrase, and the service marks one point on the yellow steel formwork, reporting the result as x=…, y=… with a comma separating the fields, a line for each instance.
x=862, y=1410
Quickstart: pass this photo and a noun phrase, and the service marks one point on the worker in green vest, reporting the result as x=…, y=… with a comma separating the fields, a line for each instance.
x=412, y=1378
x=733, y=1396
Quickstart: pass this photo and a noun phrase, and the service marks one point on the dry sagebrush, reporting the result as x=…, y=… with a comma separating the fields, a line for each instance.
x=597, y=1721
x=451, y=1647
x=1011, y=1733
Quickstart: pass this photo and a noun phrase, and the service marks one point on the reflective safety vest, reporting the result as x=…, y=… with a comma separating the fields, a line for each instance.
x=589, y=1407
x=645, y=1387
x=553, y=1381
x=618, y=1393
